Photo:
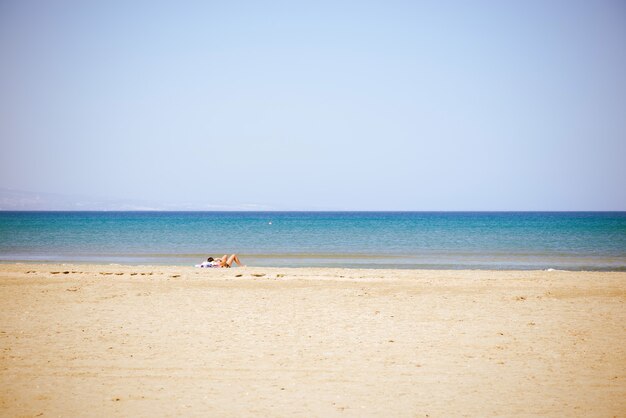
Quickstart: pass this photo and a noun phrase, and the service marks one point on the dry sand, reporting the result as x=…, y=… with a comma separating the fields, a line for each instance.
x=87, y=340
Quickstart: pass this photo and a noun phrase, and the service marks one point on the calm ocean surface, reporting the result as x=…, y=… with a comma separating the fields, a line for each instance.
x=437, y=240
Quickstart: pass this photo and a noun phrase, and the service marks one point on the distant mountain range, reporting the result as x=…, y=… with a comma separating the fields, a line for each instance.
x=26, y=200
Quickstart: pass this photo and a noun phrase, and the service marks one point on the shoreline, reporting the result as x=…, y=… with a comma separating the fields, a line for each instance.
x=319, y=267
x=94, y=340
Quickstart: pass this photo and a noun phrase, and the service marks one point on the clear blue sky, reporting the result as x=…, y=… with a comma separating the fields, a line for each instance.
x=389, y=105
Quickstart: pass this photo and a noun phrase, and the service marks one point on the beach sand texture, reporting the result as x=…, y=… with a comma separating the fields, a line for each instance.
x=88, y=340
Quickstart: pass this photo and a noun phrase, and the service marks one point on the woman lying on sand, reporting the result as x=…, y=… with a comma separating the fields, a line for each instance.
x=225, y=261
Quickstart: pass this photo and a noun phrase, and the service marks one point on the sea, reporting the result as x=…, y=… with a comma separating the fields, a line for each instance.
x=421, y=240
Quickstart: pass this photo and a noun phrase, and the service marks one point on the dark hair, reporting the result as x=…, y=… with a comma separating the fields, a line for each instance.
x=209, y=259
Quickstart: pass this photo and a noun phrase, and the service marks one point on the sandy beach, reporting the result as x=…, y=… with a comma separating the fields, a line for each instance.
x=110, y=340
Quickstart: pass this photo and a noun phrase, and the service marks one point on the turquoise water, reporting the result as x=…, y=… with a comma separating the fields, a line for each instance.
x=495, y=240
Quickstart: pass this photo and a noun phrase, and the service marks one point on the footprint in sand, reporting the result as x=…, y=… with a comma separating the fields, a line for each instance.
x=175, y=275
x=258, y=275
x=54, y=272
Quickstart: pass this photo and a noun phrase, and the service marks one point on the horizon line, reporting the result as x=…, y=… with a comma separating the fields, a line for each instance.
x=314, y=211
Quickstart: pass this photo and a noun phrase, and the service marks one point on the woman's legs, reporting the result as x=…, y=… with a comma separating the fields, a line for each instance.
x=231, y=259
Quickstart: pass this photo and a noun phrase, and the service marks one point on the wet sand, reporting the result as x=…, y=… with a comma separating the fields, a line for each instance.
x=89, y=340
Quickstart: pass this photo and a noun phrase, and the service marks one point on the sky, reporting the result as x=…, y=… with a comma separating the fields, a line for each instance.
x=319, y=105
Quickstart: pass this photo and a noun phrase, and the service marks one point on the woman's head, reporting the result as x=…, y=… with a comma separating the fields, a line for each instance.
x=209, y=259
